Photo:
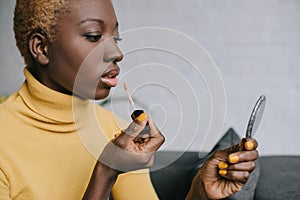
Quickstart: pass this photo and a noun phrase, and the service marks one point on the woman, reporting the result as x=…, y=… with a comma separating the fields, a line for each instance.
x=41, y=153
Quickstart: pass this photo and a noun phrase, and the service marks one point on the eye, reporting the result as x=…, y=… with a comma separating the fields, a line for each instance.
x=117, y=38
x=92, y=37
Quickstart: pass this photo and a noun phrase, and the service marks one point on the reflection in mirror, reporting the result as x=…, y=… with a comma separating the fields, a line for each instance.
x=256, y=116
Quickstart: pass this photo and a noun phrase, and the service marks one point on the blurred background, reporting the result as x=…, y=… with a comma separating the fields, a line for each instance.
x=253, y=45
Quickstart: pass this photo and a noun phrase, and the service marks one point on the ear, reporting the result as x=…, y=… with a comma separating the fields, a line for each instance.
x=38, y=47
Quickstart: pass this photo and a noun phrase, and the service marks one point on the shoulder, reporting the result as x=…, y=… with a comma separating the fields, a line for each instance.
x=6, y=114
x=10, y=124
x=6, y=117
x=9, y=127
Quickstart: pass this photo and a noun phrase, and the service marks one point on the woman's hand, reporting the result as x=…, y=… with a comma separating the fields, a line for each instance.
x=225, y=172
x=131, y=149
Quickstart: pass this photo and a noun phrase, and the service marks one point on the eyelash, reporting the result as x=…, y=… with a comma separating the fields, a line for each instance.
x=93, y=37
x=117, y=38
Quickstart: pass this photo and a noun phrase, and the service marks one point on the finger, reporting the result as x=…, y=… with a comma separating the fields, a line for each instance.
x=124, y=159
x=243, y=156
x=144, y=134
x=244, y=144
x=153, y=129
x=244, y=166
x=240, y=176
x=250, y=144
x=146, y=140
x=134, y=129
x=138, y=140
x=118, y=134
x=156, y=139
x=237, y=147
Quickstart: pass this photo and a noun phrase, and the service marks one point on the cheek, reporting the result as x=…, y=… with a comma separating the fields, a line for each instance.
x=71, y=55
x=67, y=61
x=93, y=64
x=77, y=66
x=63, y=68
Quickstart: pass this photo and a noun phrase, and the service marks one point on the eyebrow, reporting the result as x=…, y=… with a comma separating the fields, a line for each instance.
x=100, y=21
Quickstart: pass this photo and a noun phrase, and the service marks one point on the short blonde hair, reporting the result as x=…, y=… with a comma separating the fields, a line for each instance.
x=38, y=16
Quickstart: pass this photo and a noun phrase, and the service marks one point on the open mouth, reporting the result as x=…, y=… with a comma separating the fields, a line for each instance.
x=110, y=78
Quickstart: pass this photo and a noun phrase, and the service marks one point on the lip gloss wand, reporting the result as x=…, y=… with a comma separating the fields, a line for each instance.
x=140, y=115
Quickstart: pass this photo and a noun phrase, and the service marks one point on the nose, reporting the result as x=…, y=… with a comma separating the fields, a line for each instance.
x=112, y=52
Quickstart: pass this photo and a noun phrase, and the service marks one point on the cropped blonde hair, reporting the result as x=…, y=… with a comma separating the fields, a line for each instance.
x=38, y=16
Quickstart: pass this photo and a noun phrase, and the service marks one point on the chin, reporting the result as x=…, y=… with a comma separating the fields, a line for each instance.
x=101, y=94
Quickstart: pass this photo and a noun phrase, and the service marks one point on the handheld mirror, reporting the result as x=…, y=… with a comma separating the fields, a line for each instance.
x=256, y=116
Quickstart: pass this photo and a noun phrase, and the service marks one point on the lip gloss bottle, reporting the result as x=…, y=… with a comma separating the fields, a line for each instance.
x=138, y=114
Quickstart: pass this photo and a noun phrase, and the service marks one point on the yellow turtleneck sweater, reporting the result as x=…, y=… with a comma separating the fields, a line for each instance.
x=49, y=143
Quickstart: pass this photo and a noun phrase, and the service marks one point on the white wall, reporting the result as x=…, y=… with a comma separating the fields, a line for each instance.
x=11, y=63
x=255, y=44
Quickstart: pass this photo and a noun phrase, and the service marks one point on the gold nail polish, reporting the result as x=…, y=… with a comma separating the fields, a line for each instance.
x=249, y=145
x=233, y=158
x=222, y=172
x=222, y=165
x=141, y=117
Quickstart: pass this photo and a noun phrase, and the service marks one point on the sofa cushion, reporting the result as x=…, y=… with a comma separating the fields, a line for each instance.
x=279, y=178
x=173, y=172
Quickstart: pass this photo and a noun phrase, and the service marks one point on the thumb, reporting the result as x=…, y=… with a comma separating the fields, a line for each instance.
x=236, y=147
x=136, y=126
x=250, y=144
x=244, y=144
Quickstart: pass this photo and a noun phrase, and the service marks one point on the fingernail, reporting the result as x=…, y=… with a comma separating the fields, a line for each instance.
x=141, y=117
x=222, y=165
x=222, y=172
x=249, y=145
x=233, y=158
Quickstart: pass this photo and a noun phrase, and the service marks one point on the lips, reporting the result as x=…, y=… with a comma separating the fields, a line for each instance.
x=109, y=78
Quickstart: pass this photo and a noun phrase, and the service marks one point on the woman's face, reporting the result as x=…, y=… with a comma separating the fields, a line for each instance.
x=85, y=53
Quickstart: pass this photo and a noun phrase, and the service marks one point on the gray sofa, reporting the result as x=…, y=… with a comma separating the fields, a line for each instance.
x=276, y=177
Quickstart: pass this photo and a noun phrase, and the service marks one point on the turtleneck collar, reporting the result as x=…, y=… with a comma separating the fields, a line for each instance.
x=47, y=108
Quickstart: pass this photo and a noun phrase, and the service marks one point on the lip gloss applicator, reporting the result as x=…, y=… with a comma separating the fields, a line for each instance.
x=140, y=115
